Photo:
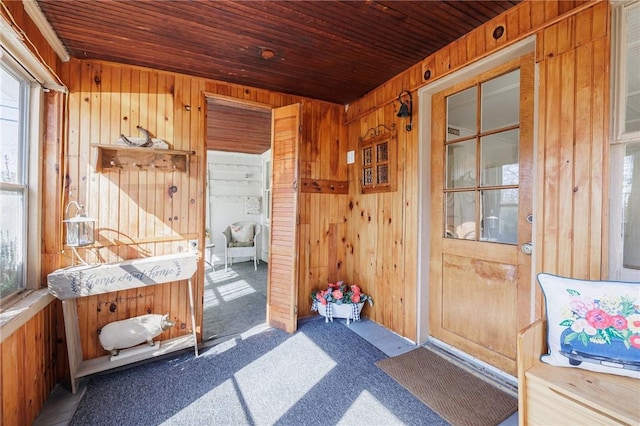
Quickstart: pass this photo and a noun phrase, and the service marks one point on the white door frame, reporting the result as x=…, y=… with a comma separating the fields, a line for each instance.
x=425, y=95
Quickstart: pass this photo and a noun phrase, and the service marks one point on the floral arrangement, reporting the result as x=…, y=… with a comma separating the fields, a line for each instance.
x=340, y=293
x=601, y=321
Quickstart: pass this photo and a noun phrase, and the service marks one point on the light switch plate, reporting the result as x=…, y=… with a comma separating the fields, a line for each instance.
x=351, y=157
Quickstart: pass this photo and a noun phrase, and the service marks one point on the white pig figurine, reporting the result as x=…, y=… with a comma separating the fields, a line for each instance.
x=133, y=331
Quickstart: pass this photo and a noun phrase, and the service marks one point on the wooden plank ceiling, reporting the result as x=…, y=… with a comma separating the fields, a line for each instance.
x=237, y=127
x=329, y=50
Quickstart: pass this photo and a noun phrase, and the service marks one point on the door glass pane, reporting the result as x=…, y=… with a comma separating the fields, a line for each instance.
x=632, y=83
x=501, y=102
x=461, y=215
x=461, y=164
x=631, y=207
x=499, y=164
x=499, y=215
x=461, y=114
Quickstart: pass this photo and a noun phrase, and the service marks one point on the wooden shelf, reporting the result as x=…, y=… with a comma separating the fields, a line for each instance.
x=115, y=157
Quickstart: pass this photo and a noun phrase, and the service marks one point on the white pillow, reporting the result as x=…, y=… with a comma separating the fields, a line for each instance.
x=242, y=233
x=593, y=325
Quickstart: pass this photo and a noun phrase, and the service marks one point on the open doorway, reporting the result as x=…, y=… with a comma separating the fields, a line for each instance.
x=237, y=191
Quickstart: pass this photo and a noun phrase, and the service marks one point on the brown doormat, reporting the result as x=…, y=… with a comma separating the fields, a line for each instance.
x=455, y=394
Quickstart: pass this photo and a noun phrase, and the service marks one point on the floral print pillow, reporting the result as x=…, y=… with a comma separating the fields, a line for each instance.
x=242, y=233
x=594, y=325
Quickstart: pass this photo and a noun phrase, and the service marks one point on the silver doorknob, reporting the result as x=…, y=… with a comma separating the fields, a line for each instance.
x=527, y=248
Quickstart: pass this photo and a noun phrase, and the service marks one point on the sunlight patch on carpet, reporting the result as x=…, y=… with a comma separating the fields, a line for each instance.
x=210, y=298
x=235, y=290
x=265, y=384
x=225, y=395
x=360, y=412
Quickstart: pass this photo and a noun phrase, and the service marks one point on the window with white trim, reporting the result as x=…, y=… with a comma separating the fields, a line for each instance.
x=624, y=261
x=14, y=128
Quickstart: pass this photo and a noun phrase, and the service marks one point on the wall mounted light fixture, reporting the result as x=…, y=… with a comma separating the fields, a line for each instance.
x=406, y=107
x=79, y=227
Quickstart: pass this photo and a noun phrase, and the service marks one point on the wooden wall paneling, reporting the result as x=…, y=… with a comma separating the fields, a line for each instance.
x=565, y=35
x=104, y=316
x=550, y=10
x=582, y=184
x=32, y=370
x=314, y=230
x=133, y=117
x=306, y=275
x=109, y=91
x=585, y=26
x=92, y=345
x=579, y=84
x=337, y=207
x=174, y=309
x=51, y=183
x=27, y=368
x=597, y=227
x=566, y=162
x=512, y=23
x=185, y=325
x=549, y=177
x=88, y=129
x=13, y=391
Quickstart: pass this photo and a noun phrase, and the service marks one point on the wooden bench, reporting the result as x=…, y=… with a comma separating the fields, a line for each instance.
x=549, y=395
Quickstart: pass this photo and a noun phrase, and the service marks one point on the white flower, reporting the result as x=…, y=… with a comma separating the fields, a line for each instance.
x=633, y=322
x=582, y=325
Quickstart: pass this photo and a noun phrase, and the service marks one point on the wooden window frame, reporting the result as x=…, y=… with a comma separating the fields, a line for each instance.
x=373, y=139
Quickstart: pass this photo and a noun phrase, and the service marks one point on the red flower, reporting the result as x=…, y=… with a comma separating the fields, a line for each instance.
x=355, y=298
x=619, y=322
x=355, y=289
x=337, y=294
x=598, y=319
x=323, y=301
x=635, y=341
x=333, y=285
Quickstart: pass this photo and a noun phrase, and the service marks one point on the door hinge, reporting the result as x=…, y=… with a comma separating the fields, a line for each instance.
x=295, y=309
x=297, y=219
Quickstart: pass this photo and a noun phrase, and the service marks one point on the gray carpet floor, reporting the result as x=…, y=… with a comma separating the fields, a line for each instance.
x=234, y=301
x=324, y=374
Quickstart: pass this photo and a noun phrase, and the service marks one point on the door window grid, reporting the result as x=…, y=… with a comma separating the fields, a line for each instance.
x=481, y=167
